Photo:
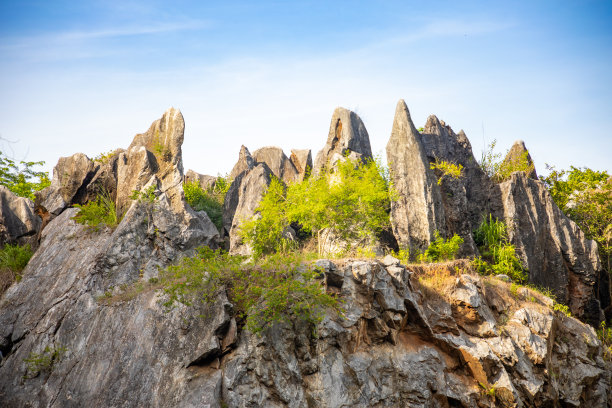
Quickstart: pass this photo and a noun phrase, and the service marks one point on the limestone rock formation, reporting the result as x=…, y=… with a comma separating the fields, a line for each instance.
x=517, y=150
x=18, y=221
x=347, y=135
x=399, y=344
x=278, y=162
x=70, y=175
x=302, y=160
x=245, y=162
x=245, y=192
x=205, y=181
x=552, y=247
x=418, y=211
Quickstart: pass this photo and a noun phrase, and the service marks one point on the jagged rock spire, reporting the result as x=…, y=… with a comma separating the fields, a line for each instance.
x=418, y=211
x=347, y=135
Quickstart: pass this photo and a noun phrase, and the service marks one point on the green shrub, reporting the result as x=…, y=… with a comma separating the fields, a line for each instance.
x=13, y=259
x=38, y=363
x=604, y=334
x=272, y=289
x=101, y=211
x=147, y=196
x=498, y=255
x=19, y=177
x=500, y=170
x=449, y=169
x=402, y=254
x=352, y=204
x=265, y=232
x=441, y=249
x=209, y=200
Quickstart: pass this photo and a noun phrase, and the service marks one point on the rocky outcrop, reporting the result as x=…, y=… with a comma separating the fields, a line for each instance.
x=515, y=154
x=245, y=162
x=551, y=246
x=205, y=181
x=418, y=211
x=245, y=192
x=347, y=136
x=19, y=224
x=276, y=160
x=302, y=160
x=469, y=343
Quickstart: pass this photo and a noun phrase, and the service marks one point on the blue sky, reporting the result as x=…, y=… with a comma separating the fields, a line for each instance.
x=87, y=76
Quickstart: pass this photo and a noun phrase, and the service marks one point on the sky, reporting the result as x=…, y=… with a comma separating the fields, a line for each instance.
x=87, y=76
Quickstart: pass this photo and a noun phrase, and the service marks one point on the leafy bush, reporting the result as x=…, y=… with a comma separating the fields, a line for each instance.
x=500, y=170
x=209, y=200
x=604, y=334
x=352, y=204
x=37, y=363
x=498, y=255
x=441, y=249
x=449, y=169
x=18, y=177
x=277, y=288
x=96, y=213
x=585, y=196
x=13, y=259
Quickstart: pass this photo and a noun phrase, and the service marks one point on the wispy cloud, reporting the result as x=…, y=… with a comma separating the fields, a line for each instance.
x=75, y=37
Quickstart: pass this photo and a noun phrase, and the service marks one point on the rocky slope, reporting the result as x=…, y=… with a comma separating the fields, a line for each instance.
x=88, y=317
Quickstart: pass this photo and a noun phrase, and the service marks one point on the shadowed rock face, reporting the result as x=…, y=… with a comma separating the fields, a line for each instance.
x=302, y=160
x=418, y=212
x=347, y=135
x=551, y=246
x=245, y=162
x=18, y=221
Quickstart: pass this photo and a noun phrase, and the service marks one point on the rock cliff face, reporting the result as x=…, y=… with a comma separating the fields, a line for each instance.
x=347, y=135
x=88, y=313
x=552, y=248
x=418, y=211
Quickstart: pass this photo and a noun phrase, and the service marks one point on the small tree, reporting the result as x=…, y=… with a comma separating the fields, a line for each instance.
x=20, y=177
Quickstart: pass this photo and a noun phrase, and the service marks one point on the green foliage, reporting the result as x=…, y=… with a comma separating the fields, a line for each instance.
x=500, y=170
x=403, y=255
x=101, y=211
x=265, y=232
x=209, y=200
x=19, y=177
x=585, y=196
x=441, y=249
x=272, y=289
x=147, y=196
x=446, y=168
x=37, y=363
x=562, y=308
x=15, y=257
x=104, y=157
x=604, y=334
x=498, y=255
x=351, y=204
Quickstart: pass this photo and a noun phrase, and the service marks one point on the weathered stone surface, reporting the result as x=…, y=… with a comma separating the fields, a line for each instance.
x=248, y=191
x=418, y=212
x=302, y=160
x=70, y=177
x=385, y=352
x=245, y=162
x=551, y=246
x=514, y=154
x=204, y=180
x=278, y=162
x=18, y=221
x=471, y=197
x=347, y=135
